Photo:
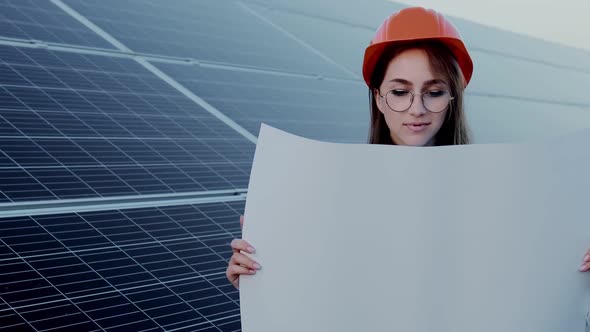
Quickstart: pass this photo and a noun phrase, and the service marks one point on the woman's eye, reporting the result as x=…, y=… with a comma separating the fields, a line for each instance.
x=436, y=93
x=399, y=93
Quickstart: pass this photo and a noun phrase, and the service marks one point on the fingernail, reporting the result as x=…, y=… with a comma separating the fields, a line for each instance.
x=252, y=272
x=257, y=266
x=583, y=267
x=587, y=258
x=251, y=250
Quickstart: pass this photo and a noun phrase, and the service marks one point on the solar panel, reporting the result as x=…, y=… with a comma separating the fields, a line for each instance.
x=368, y=14
x=506, y=43
x=215, y=31
x=331, y=110
x=320, y=33
x=487, y=119
x=42, y=20
x=91, y=126
x=533, y=81
x=125, y=270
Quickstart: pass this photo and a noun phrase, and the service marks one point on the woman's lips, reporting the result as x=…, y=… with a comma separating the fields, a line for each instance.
x=417, y=127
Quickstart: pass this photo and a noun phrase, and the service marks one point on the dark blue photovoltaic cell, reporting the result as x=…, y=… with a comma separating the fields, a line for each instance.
x=76, y=126
x=11, y=321
x=328, y=110
x=211, y=30
x=42, y=20
x=127, y=270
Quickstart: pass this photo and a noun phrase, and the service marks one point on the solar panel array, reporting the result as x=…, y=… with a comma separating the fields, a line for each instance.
x=128, y=270
x=213, y=31
x=127, y=132
x=76, y=125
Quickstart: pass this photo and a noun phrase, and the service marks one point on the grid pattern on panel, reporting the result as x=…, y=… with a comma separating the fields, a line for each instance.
x=42, y=20
x=75, y=125
x=123, y=270
x=211, y=30
x=314, y=108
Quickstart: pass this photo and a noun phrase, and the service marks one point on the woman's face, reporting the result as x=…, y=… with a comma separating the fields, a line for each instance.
x=410, y=71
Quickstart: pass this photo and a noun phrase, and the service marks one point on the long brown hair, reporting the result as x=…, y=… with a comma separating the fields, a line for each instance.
x=454, y=129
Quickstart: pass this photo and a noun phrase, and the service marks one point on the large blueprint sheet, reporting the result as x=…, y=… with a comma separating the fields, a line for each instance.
x=389, y=238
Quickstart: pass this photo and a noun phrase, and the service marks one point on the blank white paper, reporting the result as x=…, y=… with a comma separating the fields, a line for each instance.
x=357, y=237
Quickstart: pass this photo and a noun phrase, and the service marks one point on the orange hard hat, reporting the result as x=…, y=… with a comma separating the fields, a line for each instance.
x=416, y=24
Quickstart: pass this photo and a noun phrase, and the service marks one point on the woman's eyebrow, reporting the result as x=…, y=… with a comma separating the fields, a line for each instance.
x=435, y=81
x=401, y=80
x=429, y=82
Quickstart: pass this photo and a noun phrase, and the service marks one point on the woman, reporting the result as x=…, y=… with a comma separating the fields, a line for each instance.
x=416, y=68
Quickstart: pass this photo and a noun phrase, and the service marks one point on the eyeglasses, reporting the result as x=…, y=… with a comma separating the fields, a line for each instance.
x=400, y=100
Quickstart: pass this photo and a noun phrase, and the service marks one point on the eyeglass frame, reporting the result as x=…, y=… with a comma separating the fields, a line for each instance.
x=412, y=100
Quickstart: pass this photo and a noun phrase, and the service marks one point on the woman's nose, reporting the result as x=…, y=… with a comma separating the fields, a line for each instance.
x=417, y=108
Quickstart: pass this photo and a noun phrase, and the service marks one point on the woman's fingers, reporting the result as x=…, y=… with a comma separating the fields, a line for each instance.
x=240, y=264
x=244, y=260
x=585, y=267
x=237, y=270
x=239, y=244
x=234, y=271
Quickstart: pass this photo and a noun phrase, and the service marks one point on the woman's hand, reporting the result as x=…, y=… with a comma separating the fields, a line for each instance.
x=239, y=263
x=585, y=267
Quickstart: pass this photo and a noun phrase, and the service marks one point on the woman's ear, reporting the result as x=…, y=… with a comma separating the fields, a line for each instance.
x=378, y=100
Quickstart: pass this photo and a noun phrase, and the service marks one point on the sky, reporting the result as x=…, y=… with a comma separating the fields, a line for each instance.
x=563, y=21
